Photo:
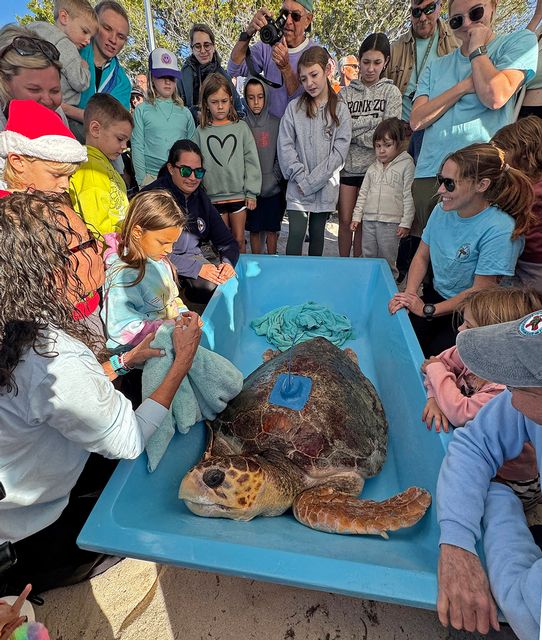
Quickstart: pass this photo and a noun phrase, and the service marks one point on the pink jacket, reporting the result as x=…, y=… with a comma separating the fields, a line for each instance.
x=444, y=381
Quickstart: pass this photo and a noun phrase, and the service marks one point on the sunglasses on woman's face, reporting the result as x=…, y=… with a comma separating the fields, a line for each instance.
x=186, y=172
x=417, y=11
x=449, y=183
x=296, y=15
x=26, y=46
x=475, y=15
x=88, y=244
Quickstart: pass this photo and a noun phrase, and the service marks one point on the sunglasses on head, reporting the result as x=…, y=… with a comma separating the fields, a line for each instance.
x=186, y=172
x=92, y=243
x=417, y=11
x=449, y=183
x=296, y=15
x=475, y=15
x=26, y=46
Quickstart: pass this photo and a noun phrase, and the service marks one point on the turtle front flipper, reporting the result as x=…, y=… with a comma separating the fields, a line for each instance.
x=327, y=509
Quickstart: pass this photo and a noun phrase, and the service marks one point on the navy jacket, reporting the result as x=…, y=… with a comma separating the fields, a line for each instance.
x=204, y=225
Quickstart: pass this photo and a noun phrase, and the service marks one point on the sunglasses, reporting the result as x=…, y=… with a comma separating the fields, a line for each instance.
x=354, y=66
x=417, y=11
x=449, y=183
x=206, y=46
x=296, y=15
x=475, y=15
x=88, y=244
x=26, y=46
x=186, y=172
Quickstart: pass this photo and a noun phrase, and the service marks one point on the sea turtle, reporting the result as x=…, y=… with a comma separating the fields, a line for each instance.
x=262, y=458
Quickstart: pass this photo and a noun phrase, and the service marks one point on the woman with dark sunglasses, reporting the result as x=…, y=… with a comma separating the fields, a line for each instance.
x=200, y=268
x=29, y=70
x=203, y=61
x=468, y=95
x=473, y=237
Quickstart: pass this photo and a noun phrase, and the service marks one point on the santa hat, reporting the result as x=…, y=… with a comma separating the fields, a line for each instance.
x=38, y=132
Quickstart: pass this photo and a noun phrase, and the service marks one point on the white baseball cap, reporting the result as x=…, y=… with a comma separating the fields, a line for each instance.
x=163, y=63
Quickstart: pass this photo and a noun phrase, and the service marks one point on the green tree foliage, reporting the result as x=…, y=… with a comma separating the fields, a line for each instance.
x=340, y=25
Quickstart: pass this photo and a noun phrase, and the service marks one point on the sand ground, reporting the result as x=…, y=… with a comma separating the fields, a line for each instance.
x=138, y=600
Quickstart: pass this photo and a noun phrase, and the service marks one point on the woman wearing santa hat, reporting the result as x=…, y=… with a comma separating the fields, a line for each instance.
x=29, y=70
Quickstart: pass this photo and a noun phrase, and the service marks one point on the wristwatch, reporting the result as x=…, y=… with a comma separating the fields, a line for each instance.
x=479, y=51
x=245, y=36
x=428, y=311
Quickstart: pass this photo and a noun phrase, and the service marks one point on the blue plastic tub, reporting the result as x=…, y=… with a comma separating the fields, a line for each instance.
x=140, y=516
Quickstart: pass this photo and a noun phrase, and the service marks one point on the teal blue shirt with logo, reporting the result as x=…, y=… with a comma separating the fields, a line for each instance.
x=461, y=248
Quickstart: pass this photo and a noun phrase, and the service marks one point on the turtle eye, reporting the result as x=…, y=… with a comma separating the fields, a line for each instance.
x=213, y=478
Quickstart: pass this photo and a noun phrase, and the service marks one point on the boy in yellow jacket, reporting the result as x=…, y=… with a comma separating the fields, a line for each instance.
x=97, y=190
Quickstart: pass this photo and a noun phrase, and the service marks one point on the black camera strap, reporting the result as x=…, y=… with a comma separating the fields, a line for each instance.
x=259, y=76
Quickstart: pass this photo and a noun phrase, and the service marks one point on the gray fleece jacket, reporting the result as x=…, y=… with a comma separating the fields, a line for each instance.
x=75, y=74
x=311, y=154
x=368, y=106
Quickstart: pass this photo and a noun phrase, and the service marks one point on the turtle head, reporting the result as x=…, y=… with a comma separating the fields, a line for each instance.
x=237, y=487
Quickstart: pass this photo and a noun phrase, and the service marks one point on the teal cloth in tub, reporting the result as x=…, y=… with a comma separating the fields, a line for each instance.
x=286, y=326
x=210, y=384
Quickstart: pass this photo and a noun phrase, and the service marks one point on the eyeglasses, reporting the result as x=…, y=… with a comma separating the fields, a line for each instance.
x=354, y=66
x=417, y=11
x=475, y=15
x=296, y=15
x=449, y=183
x=186, y=172
x=26, y=46
x=92, y=243
x=205, y=46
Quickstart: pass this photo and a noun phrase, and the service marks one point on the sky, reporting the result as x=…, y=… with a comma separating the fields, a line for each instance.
x=11, y=8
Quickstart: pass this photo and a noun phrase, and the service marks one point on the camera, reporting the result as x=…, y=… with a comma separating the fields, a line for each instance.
x=273, y=30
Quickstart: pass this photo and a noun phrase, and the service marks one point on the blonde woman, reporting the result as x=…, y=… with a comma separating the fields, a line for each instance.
x=160, y=120
x=29, y=70
x=468, y=95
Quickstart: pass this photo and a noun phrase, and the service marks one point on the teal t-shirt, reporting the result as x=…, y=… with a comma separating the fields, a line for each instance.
x=461, y=248
x=421, y=49
x=468, y=120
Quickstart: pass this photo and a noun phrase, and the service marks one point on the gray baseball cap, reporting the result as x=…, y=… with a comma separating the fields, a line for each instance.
x=509, y=353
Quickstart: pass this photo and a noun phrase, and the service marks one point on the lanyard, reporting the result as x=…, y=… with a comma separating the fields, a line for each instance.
x=425, y=55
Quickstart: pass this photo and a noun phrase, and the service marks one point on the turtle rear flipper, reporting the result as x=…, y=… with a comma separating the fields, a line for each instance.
x=329, y=510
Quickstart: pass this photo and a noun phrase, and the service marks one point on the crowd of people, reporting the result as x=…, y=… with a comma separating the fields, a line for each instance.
x=430, y=150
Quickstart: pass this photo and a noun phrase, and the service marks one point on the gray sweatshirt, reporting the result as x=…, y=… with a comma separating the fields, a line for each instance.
x=368, y=106
x=75, y=74
x=265, y=129
x=311, y=154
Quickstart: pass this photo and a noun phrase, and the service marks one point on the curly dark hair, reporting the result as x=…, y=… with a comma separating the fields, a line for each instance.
x=36, y=270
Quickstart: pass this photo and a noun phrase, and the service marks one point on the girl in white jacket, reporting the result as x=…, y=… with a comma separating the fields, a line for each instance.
x=385, y=201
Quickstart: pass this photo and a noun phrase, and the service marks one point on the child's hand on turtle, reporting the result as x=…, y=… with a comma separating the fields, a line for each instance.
x=433, y=413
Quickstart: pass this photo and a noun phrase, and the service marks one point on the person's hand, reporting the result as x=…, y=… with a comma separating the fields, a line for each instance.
x=142, y=352
x=210, y=272
x=10, y=618
x=280, y=55
x=258, y=21
x=429, y=360
x=250, y=203
x=478, y=34
x=464, y=598
x=354, y=225
x=226, y=271
x=467, y=85
x=402, y=232
x=410, y=301
x=185, y=337
x=433, y=413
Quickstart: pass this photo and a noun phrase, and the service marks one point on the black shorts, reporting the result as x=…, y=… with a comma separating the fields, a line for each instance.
x=352, y=181
x=225, y=208
x=268, y=214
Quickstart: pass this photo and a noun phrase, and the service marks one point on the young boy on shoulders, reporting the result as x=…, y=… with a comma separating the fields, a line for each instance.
x=75, y=24
x=97, y=190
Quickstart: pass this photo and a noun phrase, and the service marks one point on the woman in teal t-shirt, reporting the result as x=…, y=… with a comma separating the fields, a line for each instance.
x=472, y=238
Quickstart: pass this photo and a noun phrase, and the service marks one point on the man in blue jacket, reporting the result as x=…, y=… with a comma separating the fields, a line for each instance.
x=510, y=354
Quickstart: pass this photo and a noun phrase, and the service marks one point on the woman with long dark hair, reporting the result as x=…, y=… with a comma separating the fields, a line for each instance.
x=57, y=406
x=199, y=269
